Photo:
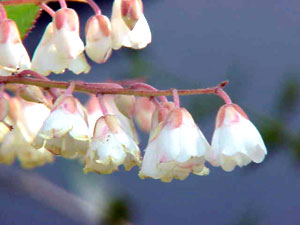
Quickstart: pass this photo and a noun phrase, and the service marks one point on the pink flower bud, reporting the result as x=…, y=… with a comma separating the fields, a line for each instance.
x=143, y=111
x=176, y=148
x=14, y=56
x=98, y=38
x=129, y=25
x=111, y=147
x=236, y=141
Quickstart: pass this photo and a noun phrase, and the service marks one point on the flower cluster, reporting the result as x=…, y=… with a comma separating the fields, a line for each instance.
x=102, y=134
x=36, y=123
x=61, y=47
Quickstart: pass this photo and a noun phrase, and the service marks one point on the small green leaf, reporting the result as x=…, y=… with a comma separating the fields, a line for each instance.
x=24, y=15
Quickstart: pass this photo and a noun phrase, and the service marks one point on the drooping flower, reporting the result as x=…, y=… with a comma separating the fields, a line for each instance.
x=236, y=141
x=111, y=147
x=14, y=56
x=98, y=38
x=129, y=25
x=175, y=149
x=27, y=118
x=94, y=112
x=65, y=132
x=61, y=46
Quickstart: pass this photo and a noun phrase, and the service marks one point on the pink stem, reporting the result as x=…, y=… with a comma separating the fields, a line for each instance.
x=176, y=98
x=147, y=87
x=155, y=102
x=223, y=95
x=95, y=7
x=71, y=88
x=102, y=104
x=94, y=88
x=32, y=73
x=3, y=15
x=47, y=9
x=63, y=4
x=54, y=92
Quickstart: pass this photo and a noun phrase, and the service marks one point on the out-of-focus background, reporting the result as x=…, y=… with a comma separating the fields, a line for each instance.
x=196, y=43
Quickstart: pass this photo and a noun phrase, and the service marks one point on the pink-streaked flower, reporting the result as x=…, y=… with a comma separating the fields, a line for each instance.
x=61, y=46
x=111, y=147
x=65, y=132
x=129, y=25
x=236, y=141
x=175, y=149
x=98, y=38
x=14, y=56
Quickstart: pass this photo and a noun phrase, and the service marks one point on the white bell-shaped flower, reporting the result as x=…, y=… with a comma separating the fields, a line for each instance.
x=176, y=148
x=61, y=46
x=98, y=38
x=94, y=112
x=27, y=118
x=14, y=56
x=236, y=141
x=65, y=132
x=111, y=147
x=129, y=25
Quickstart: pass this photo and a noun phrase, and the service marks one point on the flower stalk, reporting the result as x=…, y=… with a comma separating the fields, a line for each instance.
x=3, y=15
x=95, y=88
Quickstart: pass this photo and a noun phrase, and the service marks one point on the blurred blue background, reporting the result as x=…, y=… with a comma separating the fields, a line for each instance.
x=196, y=43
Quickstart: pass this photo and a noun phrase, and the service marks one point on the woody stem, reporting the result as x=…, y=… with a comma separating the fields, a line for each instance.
x=94, y=88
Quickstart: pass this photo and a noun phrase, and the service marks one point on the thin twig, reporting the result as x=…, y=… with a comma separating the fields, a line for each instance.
x=94, y=88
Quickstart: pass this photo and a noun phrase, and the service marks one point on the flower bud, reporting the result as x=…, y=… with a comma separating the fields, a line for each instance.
x=125, y=104
x=32, y=93
x=13, y=55
x=236, y=141
x=98, y=38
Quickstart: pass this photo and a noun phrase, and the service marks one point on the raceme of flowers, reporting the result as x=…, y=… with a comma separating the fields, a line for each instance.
x=38, y=124
x=61, y=47
x=102, y=135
